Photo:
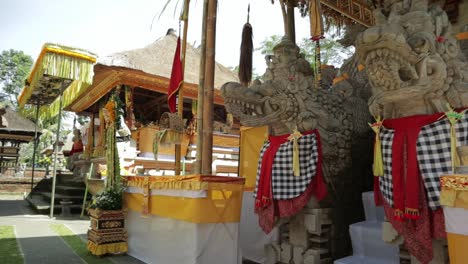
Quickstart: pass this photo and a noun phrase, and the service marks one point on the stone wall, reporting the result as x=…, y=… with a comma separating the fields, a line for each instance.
x=9, y=184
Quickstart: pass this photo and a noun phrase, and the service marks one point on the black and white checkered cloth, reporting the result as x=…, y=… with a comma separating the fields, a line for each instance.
x=434, y=157
x=385, y=182
x=284, y=184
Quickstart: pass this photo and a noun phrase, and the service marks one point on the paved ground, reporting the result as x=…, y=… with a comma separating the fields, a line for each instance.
x=38, y=243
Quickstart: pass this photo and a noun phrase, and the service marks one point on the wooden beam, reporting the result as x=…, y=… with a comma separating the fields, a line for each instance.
x=352, y=9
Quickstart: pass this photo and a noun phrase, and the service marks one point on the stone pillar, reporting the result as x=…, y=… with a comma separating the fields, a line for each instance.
x=304, y=239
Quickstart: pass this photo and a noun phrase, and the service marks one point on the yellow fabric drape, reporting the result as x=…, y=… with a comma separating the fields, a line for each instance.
x=103, y=249
x=454, y=192
x=251, y=142
x=220, y=206
x=315, y=17
x=457, y=245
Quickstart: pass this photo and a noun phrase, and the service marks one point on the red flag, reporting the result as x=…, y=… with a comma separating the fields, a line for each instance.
x=177, y=77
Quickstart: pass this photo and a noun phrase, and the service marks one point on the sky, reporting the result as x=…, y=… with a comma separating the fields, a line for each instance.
x=107, y=26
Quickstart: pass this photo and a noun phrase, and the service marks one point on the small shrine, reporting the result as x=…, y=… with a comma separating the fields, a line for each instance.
x=14, y=131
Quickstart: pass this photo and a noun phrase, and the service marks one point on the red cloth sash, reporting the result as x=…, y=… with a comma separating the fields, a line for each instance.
x=406, y=176
x=265, y=206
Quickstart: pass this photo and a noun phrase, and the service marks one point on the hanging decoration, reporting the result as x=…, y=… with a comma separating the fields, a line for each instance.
x=129, y=108
x=378, y=161
x=294, y=137
x=246, y=51
x=112, y=156
x=99, y=150
x=177, y=78
x=316, y=33
x=171, y=131
x=453, y=118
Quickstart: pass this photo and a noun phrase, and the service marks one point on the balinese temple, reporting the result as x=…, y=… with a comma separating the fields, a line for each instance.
x=142, y=78
x=136, y=84
x=190, y=218
x=14, y=131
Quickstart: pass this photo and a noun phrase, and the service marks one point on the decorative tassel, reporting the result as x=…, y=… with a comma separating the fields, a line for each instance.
x=157, y=141
x=246, y=51
x=378, y=161
x=453, y=118
x=412, y=214
x=129, y=105
x=398, y=215
x=145, y=212
x=294, y=137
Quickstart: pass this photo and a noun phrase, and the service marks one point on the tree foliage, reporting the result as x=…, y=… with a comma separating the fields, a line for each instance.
x=331, y=51
x=14, y=67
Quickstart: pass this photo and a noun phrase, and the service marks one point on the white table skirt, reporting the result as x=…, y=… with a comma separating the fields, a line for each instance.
x=164, y=240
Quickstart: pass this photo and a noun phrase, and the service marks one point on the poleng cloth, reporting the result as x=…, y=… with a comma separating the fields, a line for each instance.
x=278, y=192
x=432, y=155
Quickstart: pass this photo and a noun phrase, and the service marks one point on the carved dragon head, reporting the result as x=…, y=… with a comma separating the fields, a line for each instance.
x=287, y=99
x=412, y=60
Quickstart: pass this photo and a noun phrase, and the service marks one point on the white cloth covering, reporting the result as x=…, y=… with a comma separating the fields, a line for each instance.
x=456, y=220
x=252, y=239
x=169, y=241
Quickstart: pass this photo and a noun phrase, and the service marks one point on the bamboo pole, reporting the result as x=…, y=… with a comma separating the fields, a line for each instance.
x=54, y=168
x=201, y=85
x=36, y=141
x=209, y=88
x=180, y=101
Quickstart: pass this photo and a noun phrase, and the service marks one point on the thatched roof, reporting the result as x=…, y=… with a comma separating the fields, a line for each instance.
x=14, y=126
x=157, y=58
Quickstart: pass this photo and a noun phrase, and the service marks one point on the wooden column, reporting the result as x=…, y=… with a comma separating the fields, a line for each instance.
x=207, y=148
x=291, y=23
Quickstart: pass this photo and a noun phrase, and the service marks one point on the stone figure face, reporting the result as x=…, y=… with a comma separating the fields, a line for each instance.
x=412, y=61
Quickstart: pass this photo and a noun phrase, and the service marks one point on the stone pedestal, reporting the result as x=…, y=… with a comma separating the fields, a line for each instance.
x=66, y=208
x=304, y=239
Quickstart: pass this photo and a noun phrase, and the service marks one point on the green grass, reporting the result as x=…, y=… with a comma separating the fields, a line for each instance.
x=78, y=245
x=9, y=248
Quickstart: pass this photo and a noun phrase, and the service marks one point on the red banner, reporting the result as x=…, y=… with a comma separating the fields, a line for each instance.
x=177, y=77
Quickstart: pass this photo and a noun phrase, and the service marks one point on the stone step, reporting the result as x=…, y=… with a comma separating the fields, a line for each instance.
x=364, y=260
x=42, y=206
x=366, y=238
x=65, y=177
x=70, y=190
x=76, y=199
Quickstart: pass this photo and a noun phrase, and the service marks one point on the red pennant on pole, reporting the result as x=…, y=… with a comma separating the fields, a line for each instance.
x=177, y=77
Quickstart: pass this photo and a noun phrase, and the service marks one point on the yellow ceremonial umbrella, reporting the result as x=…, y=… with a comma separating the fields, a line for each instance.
x=59, y=75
